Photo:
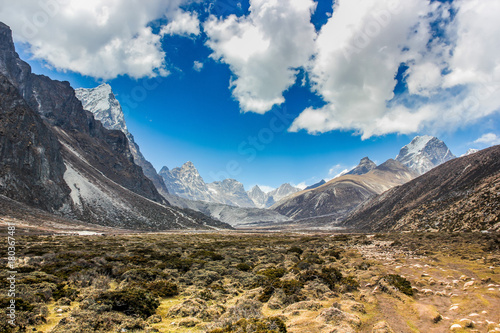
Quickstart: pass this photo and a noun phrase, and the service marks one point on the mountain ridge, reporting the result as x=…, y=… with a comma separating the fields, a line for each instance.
x=462, y=194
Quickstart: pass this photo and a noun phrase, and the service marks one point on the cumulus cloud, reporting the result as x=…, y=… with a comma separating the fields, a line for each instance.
x=198, y=66
x=489, y=139
x=263, y=49
x=102, y=39
x=182, y=23
x=452, y=77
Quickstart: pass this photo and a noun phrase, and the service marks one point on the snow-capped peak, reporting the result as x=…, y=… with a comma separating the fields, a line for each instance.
x=102, y=103
x=424, y=153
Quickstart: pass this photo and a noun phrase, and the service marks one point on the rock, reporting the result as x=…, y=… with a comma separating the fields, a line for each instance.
x=453, y=307
x=466, y=322
x=473, y=315
x=463, y=278
x=382, y=327
x=455, y=327
x=468, y=284
x=305, y=305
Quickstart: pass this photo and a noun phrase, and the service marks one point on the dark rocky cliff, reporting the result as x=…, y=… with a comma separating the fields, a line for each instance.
x=31, y=166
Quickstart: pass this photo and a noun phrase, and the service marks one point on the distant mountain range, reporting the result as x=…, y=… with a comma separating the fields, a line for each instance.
x=187, y=183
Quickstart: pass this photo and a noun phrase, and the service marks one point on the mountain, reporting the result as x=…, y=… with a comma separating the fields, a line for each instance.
x=318, y=184
x=338, y=197
x=424, y=153
x=106, y=108
x=460, y=195
x=56, y=156
x=102, y=103
x=283, y=191
x=266, y=200
x=470, y=151
x=258, y=197
x=187, y=183
x=364, y=166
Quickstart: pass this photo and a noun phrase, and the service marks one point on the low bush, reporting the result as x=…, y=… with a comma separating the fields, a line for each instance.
x=400, y=283
x=163, y=288
x=132, y=302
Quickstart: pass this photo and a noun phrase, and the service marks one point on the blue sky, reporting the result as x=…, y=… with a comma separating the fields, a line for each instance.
x=266, y=100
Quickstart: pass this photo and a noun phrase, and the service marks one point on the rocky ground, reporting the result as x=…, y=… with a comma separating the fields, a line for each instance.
x=212, y=282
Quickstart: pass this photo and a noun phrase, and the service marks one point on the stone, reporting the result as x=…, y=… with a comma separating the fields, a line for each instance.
x=382, y=327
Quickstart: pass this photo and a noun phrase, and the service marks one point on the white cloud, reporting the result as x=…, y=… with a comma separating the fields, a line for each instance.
x=490, y=139
x=102, y=39
x=198, y=66
x=182, y=23
x=452, y=80
x=359, y=51
x=263, y=49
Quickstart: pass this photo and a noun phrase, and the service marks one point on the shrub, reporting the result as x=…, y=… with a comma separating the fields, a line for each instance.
x=207, y=254
x=349, y=284
x=163, y=288
x=273, y=273
x=400, y=283
x=263, y=325
x=132, y=302
x=295, y=249
x=244, y=267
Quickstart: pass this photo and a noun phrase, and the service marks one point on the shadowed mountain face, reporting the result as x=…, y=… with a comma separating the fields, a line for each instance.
x=341, y=195
x=56, y=156
x=31, y=166
x=462, y=194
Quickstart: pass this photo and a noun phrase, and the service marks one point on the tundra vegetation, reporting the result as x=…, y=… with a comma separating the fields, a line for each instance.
x=244, y=282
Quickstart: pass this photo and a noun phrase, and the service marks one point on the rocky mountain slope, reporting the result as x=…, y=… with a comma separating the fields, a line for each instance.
x=107, y=109
x=365, y=165
x=462, y=194
x=74, y=166
x=424, y=153
x=338, y=197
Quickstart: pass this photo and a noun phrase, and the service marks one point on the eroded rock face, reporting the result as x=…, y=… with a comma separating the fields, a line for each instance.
x=31, y=166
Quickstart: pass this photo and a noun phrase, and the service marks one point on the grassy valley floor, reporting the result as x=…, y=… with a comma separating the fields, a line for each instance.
x=244, y=282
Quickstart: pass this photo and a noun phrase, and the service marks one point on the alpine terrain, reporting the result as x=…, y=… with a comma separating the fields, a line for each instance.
x=56, y=156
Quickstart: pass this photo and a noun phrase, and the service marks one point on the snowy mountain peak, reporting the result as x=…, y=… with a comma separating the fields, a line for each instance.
x=102, y=103
x=258, y=196
x=470, y=152
x=424, y=153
